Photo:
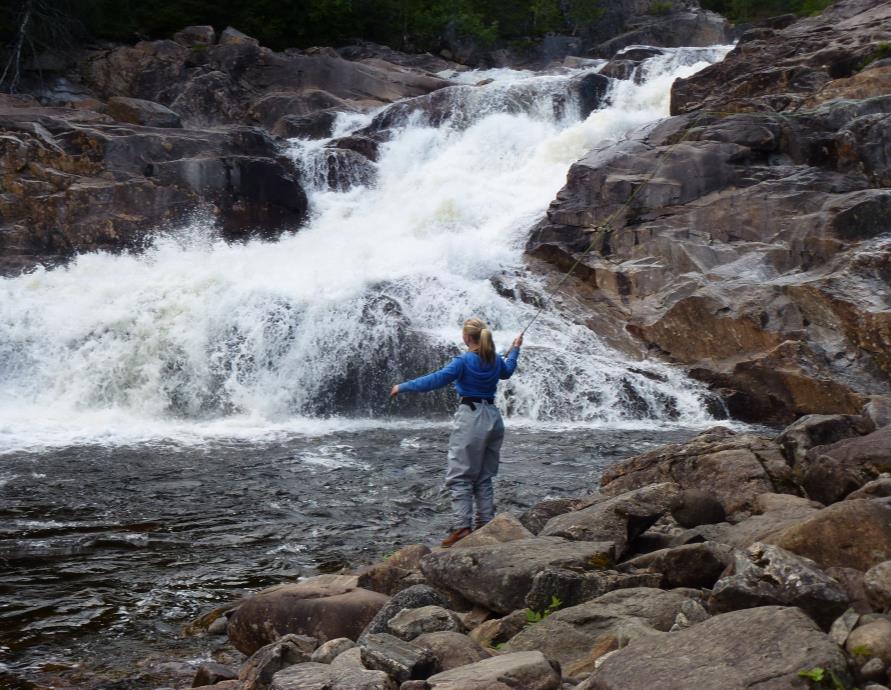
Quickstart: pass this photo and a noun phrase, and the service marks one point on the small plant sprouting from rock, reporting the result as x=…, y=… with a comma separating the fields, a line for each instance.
x=824, y=679
x=882, y=51
x=863, y=650
x=660, y=8
x=533, y=617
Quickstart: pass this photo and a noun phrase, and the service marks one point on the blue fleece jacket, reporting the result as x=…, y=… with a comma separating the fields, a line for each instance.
x=472, y=377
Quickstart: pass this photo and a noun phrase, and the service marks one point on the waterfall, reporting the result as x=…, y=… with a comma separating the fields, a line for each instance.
x=196, y=337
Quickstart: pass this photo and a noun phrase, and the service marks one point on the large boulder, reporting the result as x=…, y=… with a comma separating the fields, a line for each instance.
x=820, y=430
x=831, y=472
x=734, y=468
x=325, y=607
x=619, y=519
x=499, y=576
x=520, y=671
x=568, y=635
x=765, y=574
x=689, y=565
x=755, y=649
x=850, y=534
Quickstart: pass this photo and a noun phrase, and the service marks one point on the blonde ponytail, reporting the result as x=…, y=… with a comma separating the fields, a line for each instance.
x=478, y=331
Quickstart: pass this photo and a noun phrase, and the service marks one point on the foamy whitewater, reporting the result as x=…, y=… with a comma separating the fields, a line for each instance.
x=196, y=338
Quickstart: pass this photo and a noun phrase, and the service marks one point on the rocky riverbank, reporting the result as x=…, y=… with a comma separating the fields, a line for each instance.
x=757, y=256
x=730, y=561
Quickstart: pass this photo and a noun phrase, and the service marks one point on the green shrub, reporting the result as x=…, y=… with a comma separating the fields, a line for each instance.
x=660, y=8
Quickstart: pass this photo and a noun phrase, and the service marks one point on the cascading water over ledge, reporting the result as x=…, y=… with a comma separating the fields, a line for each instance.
x=398, y=252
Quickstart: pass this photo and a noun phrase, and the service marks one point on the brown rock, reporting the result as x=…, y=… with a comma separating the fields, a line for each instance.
x=568, y=635
x=755, y=649
x=256, y=673
x=619, y=519
x=396, y=573
x=521, y=671
x=326, y=607
x=851, y=534
x=870, y=640
x=538, y=515
x=852, y=582
x=504, y=527
x=877, y=583
x=833, y=471
x=140, y=112
x=211, y=673
x=694, y=507
x=499, y=630
x=499, y=576
x=451, y=649
x=735, y=468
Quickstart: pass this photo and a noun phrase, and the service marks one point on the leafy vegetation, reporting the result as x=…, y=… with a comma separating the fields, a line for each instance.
x=31, y=26
x=533, y=617
x=824, y=679
x=753, y=10
x=660, y=8
x=882, y=51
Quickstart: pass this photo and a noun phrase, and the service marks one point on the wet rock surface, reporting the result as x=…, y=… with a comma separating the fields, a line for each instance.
x=748, y=255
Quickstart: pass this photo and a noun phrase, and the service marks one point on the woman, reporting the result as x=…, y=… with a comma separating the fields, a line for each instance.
x=478, y=432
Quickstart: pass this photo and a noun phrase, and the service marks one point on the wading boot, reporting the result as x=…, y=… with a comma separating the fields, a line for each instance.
x=455, y=536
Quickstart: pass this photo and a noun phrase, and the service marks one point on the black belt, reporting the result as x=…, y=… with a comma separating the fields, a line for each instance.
x=469, y=401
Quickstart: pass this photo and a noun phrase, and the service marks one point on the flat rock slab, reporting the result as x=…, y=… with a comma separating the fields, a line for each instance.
x=851, y=534
x=521, y=671
x=313, y=676
x=499, y=576
x=325, y=607
x=569, y=635
x=756, y=649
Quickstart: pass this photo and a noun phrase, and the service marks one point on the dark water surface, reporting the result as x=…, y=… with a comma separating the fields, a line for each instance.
x=105, y=553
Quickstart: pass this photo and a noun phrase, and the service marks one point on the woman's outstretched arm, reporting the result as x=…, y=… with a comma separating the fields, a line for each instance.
x=509, y=361
x=431, y=382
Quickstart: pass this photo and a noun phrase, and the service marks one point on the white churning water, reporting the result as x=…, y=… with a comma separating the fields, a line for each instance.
x=197, y=338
